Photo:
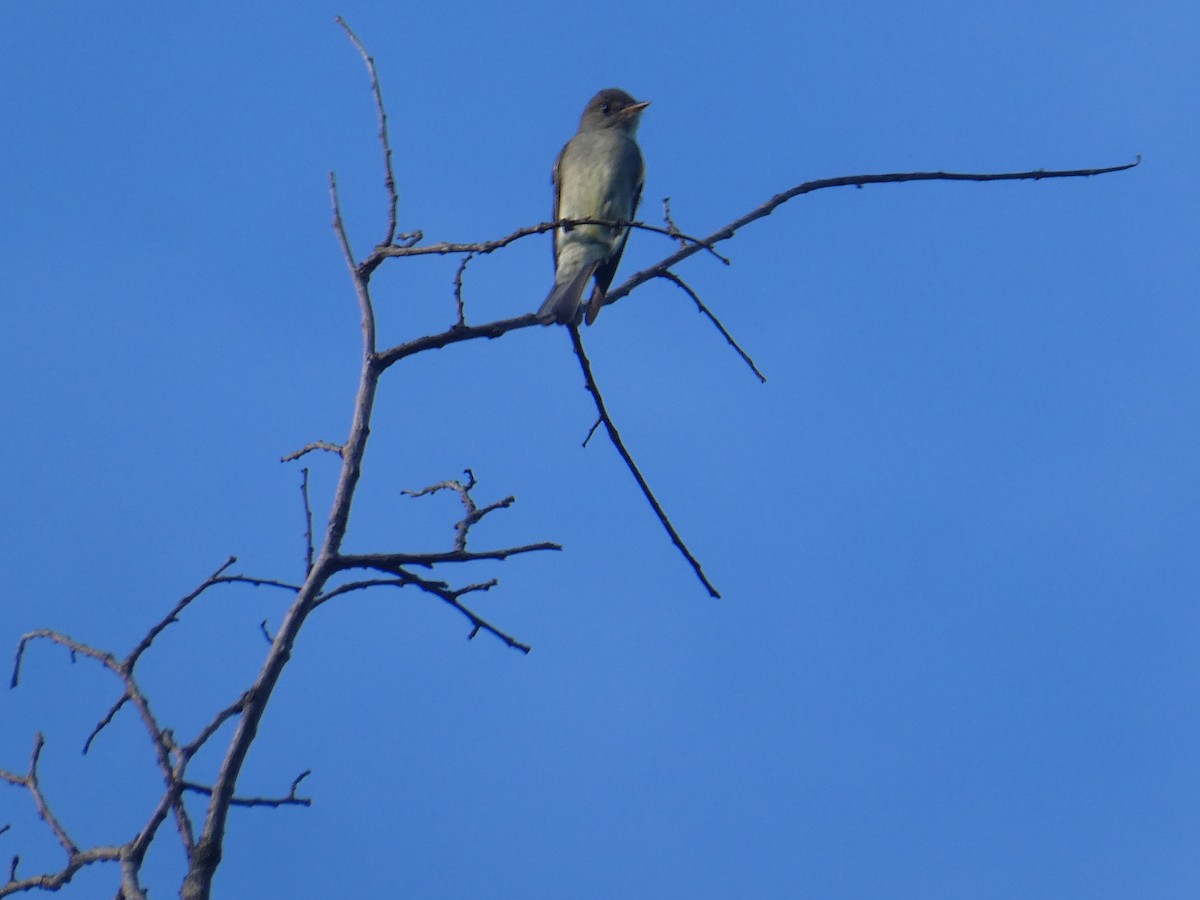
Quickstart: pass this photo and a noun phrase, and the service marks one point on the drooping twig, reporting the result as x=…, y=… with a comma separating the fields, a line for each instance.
x=675, y=279
x=615, y=436
x=450, y=596
x=104, y=722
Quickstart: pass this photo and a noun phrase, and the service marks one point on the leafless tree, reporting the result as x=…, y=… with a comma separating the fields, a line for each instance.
x=332, y=573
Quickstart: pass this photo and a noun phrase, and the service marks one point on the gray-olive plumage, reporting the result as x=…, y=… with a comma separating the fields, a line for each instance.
x=598, y=175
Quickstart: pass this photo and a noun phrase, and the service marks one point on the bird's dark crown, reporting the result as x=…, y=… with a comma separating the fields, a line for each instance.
x=611, y=107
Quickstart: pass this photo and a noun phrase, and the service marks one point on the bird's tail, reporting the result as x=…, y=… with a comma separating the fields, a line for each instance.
x=564, y=304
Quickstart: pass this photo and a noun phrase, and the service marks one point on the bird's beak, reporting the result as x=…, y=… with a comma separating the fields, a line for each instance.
x=637, y=108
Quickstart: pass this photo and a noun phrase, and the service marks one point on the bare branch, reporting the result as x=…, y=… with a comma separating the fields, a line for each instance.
x=672, y=277
x=76, y=859
x=323, y=556
x=615, y=437
x=457, y=334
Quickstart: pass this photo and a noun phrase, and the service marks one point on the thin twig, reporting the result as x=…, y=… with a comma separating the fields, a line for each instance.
x=363, y=585
x=617, y=442
x=591, y=431
x=458, y=290
x=672, y=277
x=257, y=582
x=328, y=447
x=445, y=248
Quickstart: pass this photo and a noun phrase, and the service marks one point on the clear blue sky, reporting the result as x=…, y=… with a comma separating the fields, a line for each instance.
x=957, y=531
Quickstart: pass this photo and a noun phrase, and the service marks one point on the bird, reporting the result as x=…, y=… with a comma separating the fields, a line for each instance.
x=598, y=175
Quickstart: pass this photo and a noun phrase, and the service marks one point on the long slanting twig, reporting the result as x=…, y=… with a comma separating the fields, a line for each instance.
x=765, y=209
x=615, y=436
x=389, y=177
x=704, y=310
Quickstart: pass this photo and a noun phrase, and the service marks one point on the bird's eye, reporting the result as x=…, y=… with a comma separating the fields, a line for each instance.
x=605, y=108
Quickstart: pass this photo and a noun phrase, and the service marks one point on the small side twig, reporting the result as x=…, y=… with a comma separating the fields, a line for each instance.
x=672, y=228
x=104, y=722
x=615, y=436
x=591, y=431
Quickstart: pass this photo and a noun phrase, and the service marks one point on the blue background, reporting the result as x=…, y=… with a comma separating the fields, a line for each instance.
x=956, y=531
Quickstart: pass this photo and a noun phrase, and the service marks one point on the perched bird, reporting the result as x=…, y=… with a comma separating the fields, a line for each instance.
x=598, y=175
